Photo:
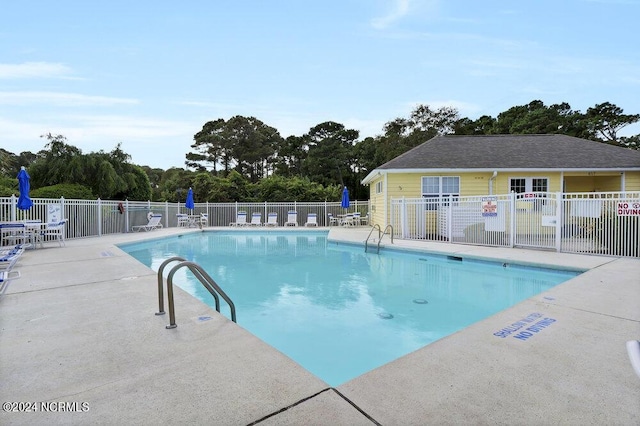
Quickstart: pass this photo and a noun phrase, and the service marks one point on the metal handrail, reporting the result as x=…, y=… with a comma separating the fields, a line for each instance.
x=383, y=233
x=160, y=281
x=366, y=243
x=206, y=281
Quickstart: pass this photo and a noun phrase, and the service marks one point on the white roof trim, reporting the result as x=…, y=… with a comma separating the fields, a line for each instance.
x=380, y=172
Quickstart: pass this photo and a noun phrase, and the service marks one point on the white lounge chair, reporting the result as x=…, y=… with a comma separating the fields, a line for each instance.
x=292, y=218
x=5, y=276
x=256, y=219
x=272, y=219
x=333, y=220
x=9, y=259
x=55, y=231
x=154, y=223
x=241, y=219
x=312, y=220
x=633, y=350
x=183, y=220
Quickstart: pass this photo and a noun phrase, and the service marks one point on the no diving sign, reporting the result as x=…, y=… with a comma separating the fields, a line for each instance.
x=628, y=208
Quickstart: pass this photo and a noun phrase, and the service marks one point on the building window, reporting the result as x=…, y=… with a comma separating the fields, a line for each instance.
x=438, y=187
x=379, y=187
x=530, y=184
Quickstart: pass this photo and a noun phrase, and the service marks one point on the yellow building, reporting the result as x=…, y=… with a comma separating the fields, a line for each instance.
x=501, y=164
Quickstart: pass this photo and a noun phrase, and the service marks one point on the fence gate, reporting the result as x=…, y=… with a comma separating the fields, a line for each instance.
x=536, y=217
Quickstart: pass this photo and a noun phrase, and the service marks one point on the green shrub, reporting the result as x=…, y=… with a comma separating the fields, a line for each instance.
x=66, y=190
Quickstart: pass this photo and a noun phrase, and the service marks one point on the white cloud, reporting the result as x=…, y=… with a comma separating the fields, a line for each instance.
x=400, y=9
x=35, y=70
x=60, y=99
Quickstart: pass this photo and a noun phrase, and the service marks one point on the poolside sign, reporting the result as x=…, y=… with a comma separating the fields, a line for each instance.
x=489, y=206
x=628, y=208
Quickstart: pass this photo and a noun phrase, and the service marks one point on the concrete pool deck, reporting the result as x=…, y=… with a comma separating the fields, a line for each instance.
x=79, y=338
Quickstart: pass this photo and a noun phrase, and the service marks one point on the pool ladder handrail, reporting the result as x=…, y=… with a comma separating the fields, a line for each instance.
x=380, y=235
x=205, y=279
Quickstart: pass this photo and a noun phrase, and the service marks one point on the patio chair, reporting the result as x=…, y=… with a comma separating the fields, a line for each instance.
x=183, y=220
x=256, y=219
x=13, y=233
x=312, y=220
x=241, y=219
x=292, y=218
x=357, y=219
x=55, y=231
x=333, y=220
x=272, y=219
x=154, y=223
x=364, y=220
x=204, y=220
x=348, y=220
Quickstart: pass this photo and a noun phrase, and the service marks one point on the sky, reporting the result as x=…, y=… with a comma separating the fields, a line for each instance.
x=150, y=74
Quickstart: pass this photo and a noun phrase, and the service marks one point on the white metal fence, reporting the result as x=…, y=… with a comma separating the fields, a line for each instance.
x=88, y=218
x=605, y=223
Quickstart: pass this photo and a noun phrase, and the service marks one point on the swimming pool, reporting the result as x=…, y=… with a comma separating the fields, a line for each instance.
x=336, y=310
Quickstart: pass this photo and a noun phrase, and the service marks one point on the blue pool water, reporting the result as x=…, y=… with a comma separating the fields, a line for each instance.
x=336, y=310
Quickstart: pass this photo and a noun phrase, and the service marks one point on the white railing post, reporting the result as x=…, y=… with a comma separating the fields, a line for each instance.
x=512, y=213
x=449, y=217
x=14, y=202
x=326, y=212
x=126, y=215
x=166, y=212
x=559, y=210
x=99, y=217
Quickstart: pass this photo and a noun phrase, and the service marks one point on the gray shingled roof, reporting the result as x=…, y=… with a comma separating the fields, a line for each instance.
x=514, y=152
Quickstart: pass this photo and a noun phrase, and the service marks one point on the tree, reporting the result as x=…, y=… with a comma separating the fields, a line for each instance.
x=212, y=148
x=290, y=155
x=606, y=119
x=330, y=160
x=253, y=145
x=243, y=143
x=106, y=175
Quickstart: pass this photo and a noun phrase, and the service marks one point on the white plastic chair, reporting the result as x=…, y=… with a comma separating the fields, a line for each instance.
x=333, y=220
x=357, y=219
x=633, y=350
x=183, y=220
x=256, y=219
x=204, y=220
x=272, y=219
x=312, y=220
x=241, y=219
x=292, y=218
x=13, y=233
x=55, y=231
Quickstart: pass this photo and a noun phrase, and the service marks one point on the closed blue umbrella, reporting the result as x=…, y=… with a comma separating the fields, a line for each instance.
x=189, y=203
x=24, y=202
x=345, y=198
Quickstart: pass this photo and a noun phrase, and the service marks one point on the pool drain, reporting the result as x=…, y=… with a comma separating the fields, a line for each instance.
x=385, y=315
x=420, y=301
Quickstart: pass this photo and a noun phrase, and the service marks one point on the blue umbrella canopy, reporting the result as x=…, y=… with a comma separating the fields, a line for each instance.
x=24, y=202
x=189, y=203
x=345, y=198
